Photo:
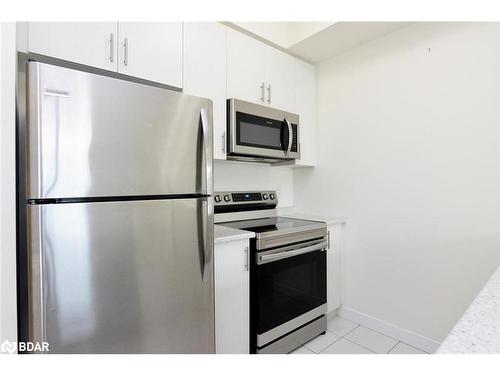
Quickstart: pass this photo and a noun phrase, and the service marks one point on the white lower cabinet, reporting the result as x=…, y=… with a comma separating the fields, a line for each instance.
x=333, y=267
x=232, y=297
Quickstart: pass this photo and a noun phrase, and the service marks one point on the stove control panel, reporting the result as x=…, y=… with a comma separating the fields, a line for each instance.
x=248, y=198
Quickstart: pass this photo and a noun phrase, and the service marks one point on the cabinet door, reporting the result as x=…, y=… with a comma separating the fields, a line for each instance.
x=246, y=67
x=151, y=51
x=205, y=72
x=232, y=297
x=333, y=267
x=88, y=43
x=305, y=106
x=279, y=80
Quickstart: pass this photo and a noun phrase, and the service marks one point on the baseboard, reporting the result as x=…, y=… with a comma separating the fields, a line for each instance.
x=411, y=338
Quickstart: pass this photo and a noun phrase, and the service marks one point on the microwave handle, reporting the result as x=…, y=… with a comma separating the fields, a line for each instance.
x=290, y=136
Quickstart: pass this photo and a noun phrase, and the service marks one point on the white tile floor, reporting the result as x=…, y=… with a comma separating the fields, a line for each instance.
x=346, y=337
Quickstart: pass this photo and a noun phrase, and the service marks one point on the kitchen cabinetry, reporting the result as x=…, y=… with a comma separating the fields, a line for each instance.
x=258, y=73
x=232, y=297
x=205, y=73
x=88, y=43
x=304, y=88
x=333, y=266
x=151, y=51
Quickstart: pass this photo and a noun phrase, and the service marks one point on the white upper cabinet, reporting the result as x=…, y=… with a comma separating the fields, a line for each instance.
x=147, y=50
x=205, y=72
x=88, y=43
x=151, y=51
x=304, y=89
x=258, y=73
x=279, y=80
x=246, y=68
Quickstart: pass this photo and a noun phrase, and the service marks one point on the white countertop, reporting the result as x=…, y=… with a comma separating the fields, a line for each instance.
x=226, y=234
x=297, y=215
x=478, y=331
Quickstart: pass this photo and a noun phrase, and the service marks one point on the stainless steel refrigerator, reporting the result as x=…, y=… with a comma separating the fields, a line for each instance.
x=118, y=214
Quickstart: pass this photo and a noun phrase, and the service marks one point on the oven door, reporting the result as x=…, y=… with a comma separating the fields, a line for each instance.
x=289, y=289
x=263, y=132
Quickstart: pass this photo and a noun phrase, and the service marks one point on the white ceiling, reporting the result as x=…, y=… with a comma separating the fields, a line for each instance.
x=317, y=41
x=341, y=37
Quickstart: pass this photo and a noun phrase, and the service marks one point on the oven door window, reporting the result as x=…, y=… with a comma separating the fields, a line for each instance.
x=288, y=288
x=255, y=131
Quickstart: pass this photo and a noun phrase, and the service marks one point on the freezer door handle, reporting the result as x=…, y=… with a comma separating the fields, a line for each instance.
x=37, y=276
x=206, y=231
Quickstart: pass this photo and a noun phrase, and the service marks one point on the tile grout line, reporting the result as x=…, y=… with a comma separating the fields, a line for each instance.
x=352, y=342
x=390, y=350
x=352, y=329
x=339, y=337
x=380, y=333
x=383, y=334
x=411, y=346
x=392, y=338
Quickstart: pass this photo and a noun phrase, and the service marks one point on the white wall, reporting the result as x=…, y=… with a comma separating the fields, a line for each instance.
x=408, y=151
x=230, y=175
x=8, y=328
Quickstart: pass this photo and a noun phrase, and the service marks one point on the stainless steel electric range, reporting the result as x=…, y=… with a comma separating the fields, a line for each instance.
x=287, y=270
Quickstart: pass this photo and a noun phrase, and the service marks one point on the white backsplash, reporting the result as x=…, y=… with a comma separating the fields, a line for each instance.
x=231, y=175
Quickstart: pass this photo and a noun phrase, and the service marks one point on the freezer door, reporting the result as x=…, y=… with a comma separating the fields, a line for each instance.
x=95, y=136
x=122, y=277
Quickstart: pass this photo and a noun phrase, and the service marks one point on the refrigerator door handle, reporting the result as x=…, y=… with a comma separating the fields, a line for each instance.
x=205, y=115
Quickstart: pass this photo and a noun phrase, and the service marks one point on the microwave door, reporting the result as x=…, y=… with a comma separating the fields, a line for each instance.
x=261, y=132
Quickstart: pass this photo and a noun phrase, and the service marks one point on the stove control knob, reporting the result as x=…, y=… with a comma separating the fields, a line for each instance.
x=217, y=198
x=227, y=198
x=265, y=196
x=272, y=196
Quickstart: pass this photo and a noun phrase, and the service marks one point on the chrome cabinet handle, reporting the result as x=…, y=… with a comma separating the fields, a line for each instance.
x=262, y=259
x=125, y=52
x=111, y=47
x=224, y=142
x=247, y=258
x=269, y=93
x=262, y=92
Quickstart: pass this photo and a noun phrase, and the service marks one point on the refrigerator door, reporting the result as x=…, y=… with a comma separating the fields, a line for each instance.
x=122, y=277
x=95, y=136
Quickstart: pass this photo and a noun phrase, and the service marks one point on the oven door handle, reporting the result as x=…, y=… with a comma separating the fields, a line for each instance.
x=262, y=259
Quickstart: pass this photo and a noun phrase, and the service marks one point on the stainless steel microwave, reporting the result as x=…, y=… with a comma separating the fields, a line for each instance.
x=259, y=133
